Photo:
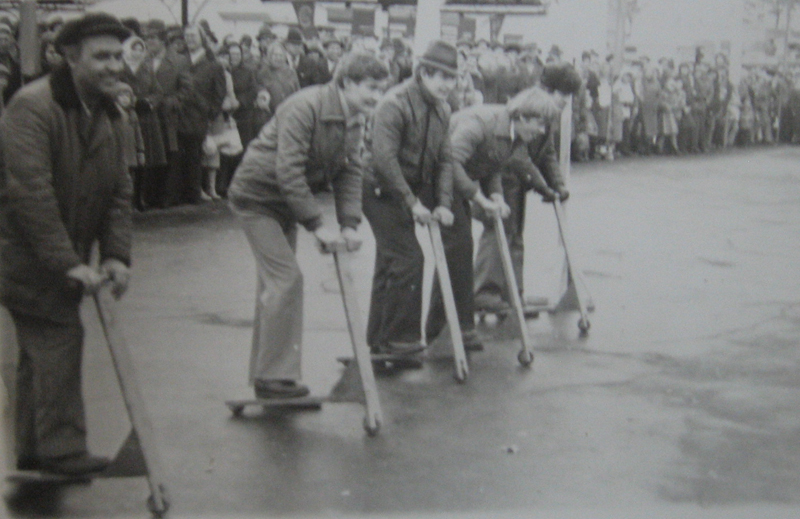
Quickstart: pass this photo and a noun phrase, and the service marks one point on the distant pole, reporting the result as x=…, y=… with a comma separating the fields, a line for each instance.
x=184, y=13
x=789, y=6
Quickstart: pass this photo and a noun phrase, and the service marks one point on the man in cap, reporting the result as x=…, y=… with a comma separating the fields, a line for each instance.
x=265, y=37
x=412, y=184
x=559, y=82
x=490, y=146
x=312, y=142
x=295, y=46
x=334, y=49
x=167, y=68
x=205, y=89
x=64, y=186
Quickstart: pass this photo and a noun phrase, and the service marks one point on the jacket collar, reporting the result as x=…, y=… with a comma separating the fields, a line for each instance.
x=66, y=95
x=421, y=99
x=502, y=124
x=331, y=105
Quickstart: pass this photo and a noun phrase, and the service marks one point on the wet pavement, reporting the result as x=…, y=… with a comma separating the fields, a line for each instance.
x=683, y=401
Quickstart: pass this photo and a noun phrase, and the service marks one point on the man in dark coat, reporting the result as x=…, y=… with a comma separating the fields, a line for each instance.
x=413, y=183
x=167, y=67
x=314, y=141
x=64, y=186
x=202, y=104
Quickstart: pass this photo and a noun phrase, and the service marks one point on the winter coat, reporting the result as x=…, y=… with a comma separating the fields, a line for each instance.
x=299, y=152
x=203, y=96
x=148, y=96
x=480, y=137
x=64, y=184
x=171, y=68
x=651, y=96
x=279, y=82
x=244, y=86
x=407, y=153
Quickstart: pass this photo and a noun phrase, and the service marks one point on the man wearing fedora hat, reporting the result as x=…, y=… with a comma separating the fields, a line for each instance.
x=412, y=184
x=64, y=186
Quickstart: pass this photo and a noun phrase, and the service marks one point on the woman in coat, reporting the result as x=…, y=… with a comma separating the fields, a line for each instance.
x=277, y=76
x=139, y=74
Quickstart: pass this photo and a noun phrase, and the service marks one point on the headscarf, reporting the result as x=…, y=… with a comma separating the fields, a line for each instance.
x=130, y=60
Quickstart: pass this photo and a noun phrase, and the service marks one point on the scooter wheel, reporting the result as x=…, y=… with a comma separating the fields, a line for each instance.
x=371, y=430
x=584, y=325
x=525, y=357
x=461, y=374
x=154, y=510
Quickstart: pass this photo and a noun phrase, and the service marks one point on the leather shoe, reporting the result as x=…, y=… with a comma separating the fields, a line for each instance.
x=74, y=464
x=403, y=348
x=472, y=340
x=266, y=389
x=491, y=303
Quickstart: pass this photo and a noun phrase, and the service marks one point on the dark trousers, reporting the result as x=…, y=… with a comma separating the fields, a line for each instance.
x=227, y=167
x=395, y=311
x=50, y=420
x=457, y=241
x=191, y=166
x=489, y=275
x=171, y=193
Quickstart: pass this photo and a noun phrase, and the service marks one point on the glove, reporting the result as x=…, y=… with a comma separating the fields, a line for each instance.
x=351, y=240
x=119, y=274
x=421, y=214
x=444, y=216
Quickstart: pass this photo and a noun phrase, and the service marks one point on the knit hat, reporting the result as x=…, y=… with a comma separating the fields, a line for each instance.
x=294, y=36
x=155, y=28
x=4, y=27
x=265, y=33
x=442, y=56
x=4, y=71
x=532, y=102
x=92, y=24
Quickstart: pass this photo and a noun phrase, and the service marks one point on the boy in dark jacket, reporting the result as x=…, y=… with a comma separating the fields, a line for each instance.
x=413, y=183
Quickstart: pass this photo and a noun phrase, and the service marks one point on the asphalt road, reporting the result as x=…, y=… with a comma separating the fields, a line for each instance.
x=683, y=401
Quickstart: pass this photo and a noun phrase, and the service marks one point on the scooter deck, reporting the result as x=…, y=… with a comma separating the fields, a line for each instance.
x=388, y=361
x=530, y=312
x=285, y=404
x=40, y=477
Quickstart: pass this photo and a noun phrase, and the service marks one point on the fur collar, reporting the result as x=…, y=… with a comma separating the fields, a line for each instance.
x=66, y=96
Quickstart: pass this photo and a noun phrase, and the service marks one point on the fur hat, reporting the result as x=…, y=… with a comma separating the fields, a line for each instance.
x=441, y=56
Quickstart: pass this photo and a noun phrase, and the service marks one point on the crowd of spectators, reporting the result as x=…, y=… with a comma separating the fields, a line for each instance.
x=194, y=101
